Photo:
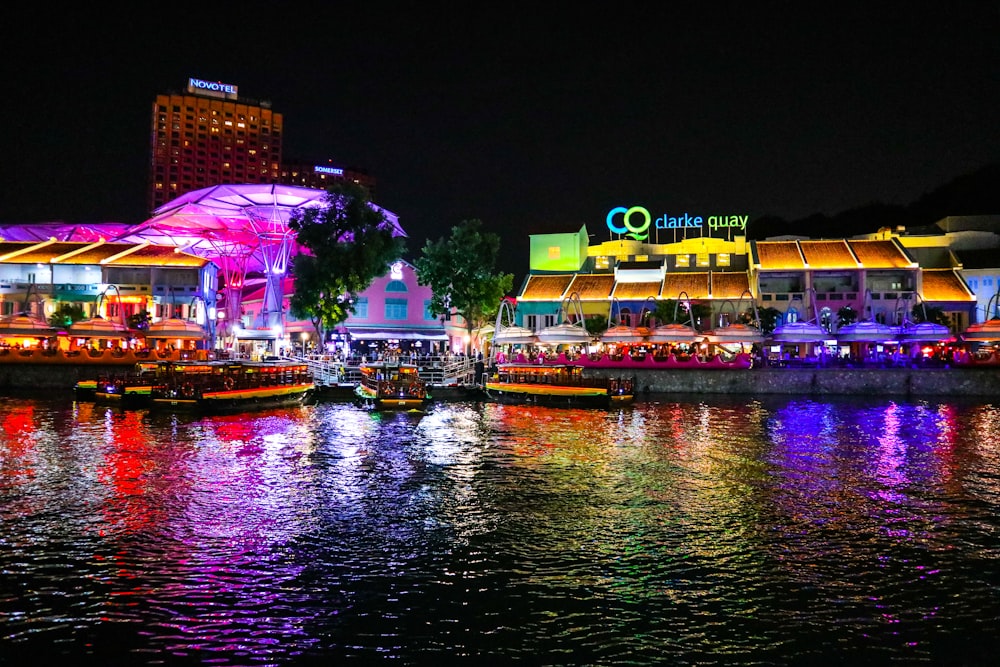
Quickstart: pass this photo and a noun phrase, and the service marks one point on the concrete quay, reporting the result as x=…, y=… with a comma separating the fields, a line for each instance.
x=945, y=382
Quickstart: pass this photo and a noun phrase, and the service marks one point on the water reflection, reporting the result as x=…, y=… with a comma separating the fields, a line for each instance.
x=720, y=530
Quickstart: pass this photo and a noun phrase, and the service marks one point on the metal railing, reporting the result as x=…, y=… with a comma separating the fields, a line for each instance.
x=328, y=371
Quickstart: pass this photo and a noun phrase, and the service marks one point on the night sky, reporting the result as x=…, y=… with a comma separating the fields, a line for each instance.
x=531, y=119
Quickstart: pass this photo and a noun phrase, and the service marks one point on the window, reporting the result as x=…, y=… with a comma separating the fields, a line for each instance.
x=722, y=259
x=683, y=261
x=427, y=310
x=554, y=252
x=395, y=286
x=361, y=308
x=395, y=309
x=531, y=322
x=703, y=259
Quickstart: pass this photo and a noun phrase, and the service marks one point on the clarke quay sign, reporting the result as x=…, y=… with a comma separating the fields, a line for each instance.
x=636, y=221
x=213, y=88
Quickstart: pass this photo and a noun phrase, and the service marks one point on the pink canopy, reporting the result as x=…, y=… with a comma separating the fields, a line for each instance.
x=241, y=228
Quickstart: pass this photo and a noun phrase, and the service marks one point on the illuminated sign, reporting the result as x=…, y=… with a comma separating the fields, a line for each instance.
x=212, y=88
x=635, y=222
x=396, y=271
x=320, y=169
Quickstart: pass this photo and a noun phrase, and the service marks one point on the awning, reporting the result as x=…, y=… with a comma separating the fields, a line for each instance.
x=397, y=334
x=255, y=334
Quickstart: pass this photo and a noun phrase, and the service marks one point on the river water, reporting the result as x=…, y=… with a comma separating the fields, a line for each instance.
x=710, y=530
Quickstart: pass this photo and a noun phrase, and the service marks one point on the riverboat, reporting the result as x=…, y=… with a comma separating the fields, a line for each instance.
x=392, y=386
x=556, y=384
x=231, y=386
x=129, y=390
x=85, y=389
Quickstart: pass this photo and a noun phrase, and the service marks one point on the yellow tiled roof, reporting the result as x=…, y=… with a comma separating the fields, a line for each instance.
x=44, y=252
x=944, y=285
x=637, y=290
x=593, y=286
x=779, y=255
x=694, y=284
x=8, y=249
x=545, y=288
x=100, y=252
x=828, y=255
x=729, y=284
x=879, y=254
x=158, y=255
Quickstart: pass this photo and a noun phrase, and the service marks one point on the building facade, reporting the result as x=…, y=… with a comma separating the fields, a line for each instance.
x=306, y=174
x=115, y=281
x=208, y=136
x=878, y=278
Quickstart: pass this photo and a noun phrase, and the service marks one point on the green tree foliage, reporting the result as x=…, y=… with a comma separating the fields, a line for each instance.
x=671, y=311
x=66, y=314
x=847, y=315
x=770, y=317
x=595, y=325
x=702, y=313
x=346, y=245
x=139, y=321
x=461, y=272
x=933, y=314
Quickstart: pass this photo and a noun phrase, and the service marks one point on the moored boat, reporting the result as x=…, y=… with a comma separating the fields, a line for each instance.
x=392, y=385
x=556, y=384
x=85, y=389
x=231, y=386
x=129, y=390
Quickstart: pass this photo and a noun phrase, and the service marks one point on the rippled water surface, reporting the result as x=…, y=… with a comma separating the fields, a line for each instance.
x=701, y=530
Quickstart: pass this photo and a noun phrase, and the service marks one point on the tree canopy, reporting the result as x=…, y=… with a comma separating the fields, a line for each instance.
x=345, y=246
x=461, y=272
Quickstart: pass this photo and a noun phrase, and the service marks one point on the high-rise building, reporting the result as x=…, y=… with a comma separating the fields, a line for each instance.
x=209, y=136
x=306, y=174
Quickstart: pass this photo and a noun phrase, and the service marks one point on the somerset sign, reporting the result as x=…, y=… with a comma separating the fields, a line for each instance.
x=637, y=220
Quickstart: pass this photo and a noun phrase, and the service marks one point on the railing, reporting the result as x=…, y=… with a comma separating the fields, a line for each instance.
x=434, y=370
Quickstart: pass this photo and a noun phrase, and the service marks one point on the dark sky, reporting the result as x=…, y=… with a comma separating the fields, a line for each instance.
x=531, y=119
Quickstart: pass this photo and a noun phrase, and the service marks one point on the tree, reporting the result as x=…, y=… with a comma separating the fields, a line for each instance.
x=345, y=244
x=847, y=315
x=769, y=318
x=933, y=314
x=139, y=321
x=595, y=325
x=671, y=311
x=66, y=314
x=460, y=271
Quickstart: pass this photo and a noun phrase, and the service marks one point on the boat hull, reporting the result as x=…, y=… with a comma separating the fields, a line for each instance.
x=373, y=399
x=527, y=393
x=238, y=400
x=391, y=386
x=557, y=385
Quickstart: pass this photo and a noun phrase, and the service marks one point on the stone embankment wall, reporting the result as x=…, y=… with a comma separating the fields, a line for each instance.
x=52, y=377
x=826, y=381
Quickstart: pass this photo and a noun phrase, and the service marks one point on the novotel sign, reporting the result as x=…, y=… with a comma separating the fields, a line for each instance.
x=213, y=88
x=636, y=221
